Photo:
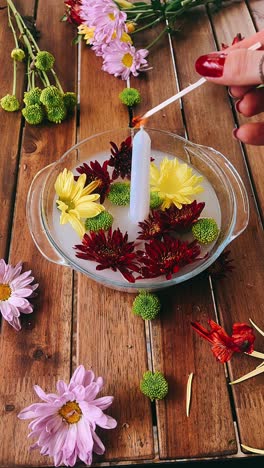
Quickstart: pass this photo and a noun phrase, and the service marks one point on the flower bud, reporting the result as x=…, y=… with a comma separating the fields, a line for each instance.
x=18, y=55
x=130, y=27
x=10, y=103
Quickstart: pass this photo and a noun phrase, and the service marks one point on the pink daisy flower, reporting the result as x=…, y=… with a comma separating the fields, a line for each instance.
x=15, y=290
x=121, y=59
x=65, y=423
x=105, y=16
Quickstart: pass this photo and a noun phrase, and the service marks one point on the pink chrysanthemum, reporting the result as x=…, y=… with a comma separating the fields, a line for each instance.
x=106, y=17
x=65, y=423
x=15, y=290
x=121, y=59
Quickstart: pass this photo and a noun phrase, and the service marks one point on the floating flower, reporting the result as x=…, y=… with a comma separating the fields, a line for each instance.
x=16, y=289
x=64, y=423
x=166, y=257
x=102, y=221
x=179, y=220
x=175, y=182
x=119, y=193
x=121, y=59
x=154, y=385
x=205, y=230
x=105, y=17
x=72, y=14
x=146, y=305
x=98, y=172
x=224, y=346
x=155, y=200
x=221, y=267
x=75, y=201
x=121, y=159
x=152, y=228
x=110, y=250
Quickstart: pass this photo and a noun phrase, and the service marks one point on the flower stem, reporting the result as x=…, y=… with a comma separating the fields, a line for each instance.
x=21, y=28
x=157, y=38
x=45, y=77
x=156, y=21
x=14, y=77
x=57, y=81
x=28, y=75
x=11, y=26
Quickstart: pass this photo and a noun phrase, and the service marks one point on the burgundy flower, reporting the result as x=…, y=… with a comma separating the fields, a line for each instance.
x=73, y=11
x=121, y=159
x=221, y=267
x=96, y=172
x=166, y=257
x=236, y=39
x=224, y=346
x=182, y=220
x=153, y=227
x=110, y=250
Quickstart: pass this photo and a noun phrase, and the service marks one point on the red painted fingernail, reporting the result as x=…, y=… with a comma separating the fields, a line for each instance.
x=235, y=133
x=211, y=65
x=237, y=105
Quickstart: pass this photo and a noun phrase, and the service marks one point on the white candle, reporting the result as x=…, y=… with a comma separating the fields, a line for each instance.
x=140, y=170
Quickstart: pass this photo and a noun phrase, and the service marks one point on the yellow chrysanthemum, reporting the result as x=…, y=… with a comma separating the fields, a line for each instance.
x=175, y=183
x=124, y=38
x=87, y=32
x=75, y=201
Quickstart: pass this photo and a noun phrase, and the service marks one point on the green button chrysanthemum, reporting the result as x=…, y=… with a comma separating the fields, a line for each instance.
x=119, y=193
x=70, y=101
x=51, y=96
x=154, y=385
x=146, y=305
x=10, y=103
x=44, y=60
x=205, y=230
x=155, y=200
x=34, y=114
x=130, y=97
x=18, y=55
x=32, y=97
x=56, y=114
x=103, y=220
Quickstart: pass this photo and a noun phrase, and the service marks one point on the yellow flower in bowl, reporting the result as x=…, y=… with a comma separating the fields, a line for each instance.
x=175, y=183
x=75, y=201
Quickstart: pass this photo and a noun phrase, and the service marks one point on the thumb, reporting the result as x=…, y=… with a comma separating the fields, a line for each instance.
x=240, y=67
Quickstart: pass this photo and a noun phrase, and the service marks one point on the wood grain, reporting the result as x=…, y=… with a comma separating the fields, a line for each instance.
x=239, y=297
x=40, y=353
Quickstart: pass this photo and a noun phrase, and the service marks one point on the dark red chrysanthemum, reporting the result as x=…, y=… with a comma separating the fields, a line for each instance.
x=236, y=39
x=166, y=257
x=224, y=346
x=221, y=267
x=183, y=219
x=73, y=11
x=121, y=159
x=96, y=172
x=153, y=227
x=110, y=250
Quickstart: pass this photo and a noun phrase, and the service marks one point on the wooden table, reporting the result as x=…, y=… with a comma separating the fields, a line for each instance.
x=77, y=321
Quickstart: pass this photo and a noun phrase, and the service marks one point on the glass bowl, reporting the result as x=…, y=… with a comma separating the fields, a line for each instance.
x=216, y=169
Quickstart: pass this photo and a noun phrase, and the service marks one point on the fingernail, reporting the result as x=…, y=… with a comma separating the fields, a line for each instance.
x=237, y=105
x=211, y=65
x=235, y=133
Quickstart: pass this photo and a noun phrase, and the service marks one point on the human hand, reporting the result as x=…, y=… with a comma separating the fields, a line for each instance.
x=240, y=69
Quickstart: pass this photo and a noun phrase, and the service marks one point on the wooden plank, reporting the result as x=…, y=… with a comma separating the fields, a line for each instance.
x=172, y=336
x=10, y=123
x=40, y=353
x=225, y=31
x=110, y=338
x=241, y=296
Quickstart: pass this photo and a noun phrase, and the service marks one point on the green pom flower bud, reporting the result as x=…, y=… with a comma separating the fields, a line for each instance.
x=70, y=101
x=18, y=55
x=44, y=60
x=130, y=97
x=56, y=114
x=155, y=200
x=146, y=305
x=205, y=230
x=154, y=385
x=9, y=103
x=102, y=221
x=32, y=97
x=119, y=193
x=34, y=114
x=51, y=96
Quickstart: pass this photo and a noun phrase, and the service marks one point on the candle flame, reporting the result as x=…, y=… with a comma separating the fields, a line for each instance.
x=138, y=121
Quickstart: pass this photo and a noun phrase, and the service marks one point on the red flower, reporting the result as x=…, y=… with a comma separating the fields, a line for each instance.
x=111, y=250
x=182, y=220
x=224, y=346
x=73, y=11
x=153, y=227
x=121, y=159
x=166, y=257
x=96, y=172
x=236, y=39
x=221, y=267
